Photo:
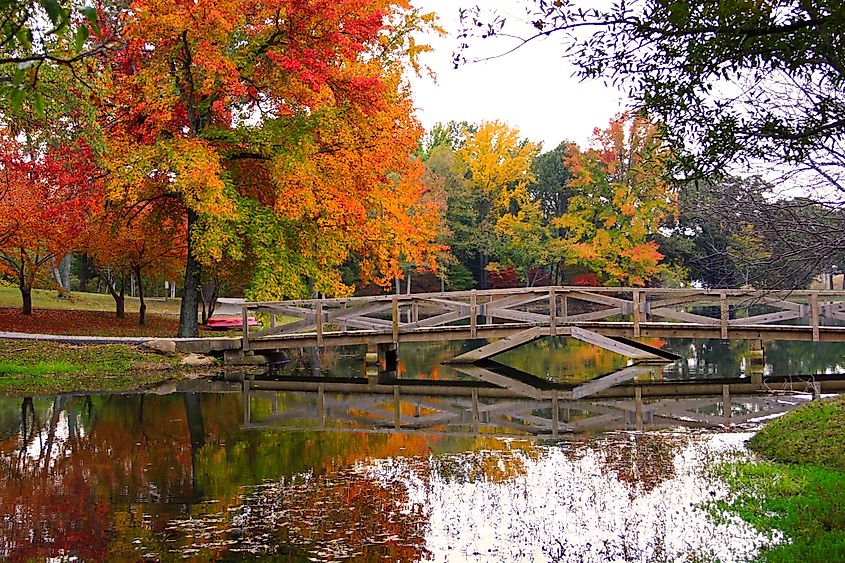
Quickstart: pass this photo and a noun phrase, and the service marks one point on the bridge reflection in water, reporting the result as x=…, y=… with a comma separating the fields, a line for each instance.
x=502, y=401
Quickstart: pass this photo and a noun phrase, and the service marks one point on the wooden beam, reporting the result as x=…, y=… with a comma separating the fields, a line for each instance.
x=595, y=315
x=602, y=299
x=440, y=320
x=635, y=303
x=605, y=381
x=499, y=380
x=767, y=318
x=724, y=314
x=395, y=308
x=612, y=345
x=494, y=348
x=814, y=315
x=683, y=316
x=319, y=323
x=473, y=314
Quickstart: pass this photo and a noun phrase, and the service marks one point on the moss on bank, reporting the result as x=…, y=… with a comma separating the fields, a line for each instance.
x=34, y=368
x=799, y=488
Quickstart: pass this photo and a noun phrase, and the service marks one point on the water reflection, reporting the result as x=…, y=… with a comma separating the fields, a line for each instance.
x=572, y=362
x=474, y=414
x=181, y=476
x=490, y=465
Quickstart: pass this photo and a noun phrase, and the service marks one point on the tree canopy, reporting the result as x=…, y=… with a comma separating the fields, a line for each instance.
x=733, y=81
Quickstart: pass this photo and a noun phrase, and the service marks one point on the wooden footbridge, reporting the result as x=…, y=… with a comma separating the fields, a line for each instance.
x=604, y=316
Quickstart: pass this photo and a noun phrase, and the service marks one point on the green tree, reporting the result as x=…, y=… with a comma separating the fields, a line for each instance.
x=732, y=80
x=621, y=202
x=496, y=160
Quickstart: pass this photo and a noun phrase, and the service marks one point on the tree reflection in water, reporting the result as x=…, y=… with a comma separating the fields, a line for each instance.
x=173, y=477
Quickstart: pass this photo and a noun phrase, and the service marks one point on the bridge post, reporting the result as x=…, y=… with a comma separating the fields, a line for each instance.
x=724, y=314
x=552, y=312
x=814, y=315
x=758, y=361
x=488, y=313
x=726, y=404
x=564, y=307
x=395, y=304
x=318, y=319
x=635, y=302
x=245, y=320
x=473, y=314
x=555, y=414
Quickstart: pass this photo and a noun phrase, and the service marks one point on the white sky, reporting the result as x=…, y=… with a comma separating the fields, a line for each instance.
x=531, y=89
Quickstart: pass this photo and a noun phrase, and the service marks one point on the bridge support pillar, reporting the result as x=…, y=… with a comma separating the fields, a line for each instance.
x=390, y=354
x=371, y=364
x=757, y=355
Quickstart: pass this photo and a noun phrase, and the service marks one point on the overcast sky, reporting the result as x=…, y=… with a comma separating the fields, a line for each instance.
x=531, y=89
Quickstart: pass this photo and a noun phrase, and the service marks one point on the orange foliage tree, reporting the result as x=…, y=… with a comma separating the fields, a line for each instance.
x=280, y=128
x=621, y=199
x=127, y=242
x=47, y=196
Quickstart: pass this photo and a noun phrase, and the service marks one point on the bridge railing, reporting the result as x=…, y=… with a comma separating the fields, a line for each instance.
x=554, y=307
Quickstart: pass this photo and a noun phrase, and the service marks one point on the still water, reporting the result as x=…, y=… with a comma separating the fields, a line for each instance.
x=210, y=472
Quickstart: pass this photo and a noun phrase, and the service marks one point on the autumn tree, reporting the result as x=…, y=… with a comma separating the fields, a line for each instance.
x=129, y=242
x=496, y=159
x=308, y=93
x=755, y=87
x=523, y=240
x=47, y=198
x=620, y=200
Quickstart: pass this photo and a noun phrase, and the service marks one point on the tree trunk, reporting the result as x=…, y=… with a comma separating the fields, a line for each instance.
x=188, y=308
x=120, y=301
x=26, y=294
x=85, y=271
x=119, y=297
x=61, y=273
x=210, y=291
x=142, y=308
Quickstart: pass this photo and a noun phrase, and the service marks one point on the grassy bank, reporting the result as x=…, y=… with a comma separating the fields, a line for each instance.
x=34, y=368
x=799, y=487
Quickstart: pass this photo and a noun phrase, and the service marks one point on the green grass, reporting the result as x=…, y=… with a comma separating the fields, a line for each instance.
x=805, y=502
x=49, y=299
x=814, y=433
x=31, y=367
x=40, y=368
x=799, y=487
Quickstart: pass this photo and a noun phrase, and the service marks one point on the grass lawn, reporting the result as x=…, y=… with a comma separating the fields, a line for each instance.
x=800, y=487
x=48, y=299
x=29, y=367
x=91, y=314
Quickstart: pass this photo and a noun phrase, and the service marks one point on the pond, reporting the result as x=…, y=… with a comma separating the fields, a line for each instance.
x=211, y=470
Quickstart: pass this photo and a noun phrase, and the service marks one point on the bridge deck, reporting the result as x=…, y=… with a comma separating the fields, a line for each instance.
x=553, y=311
